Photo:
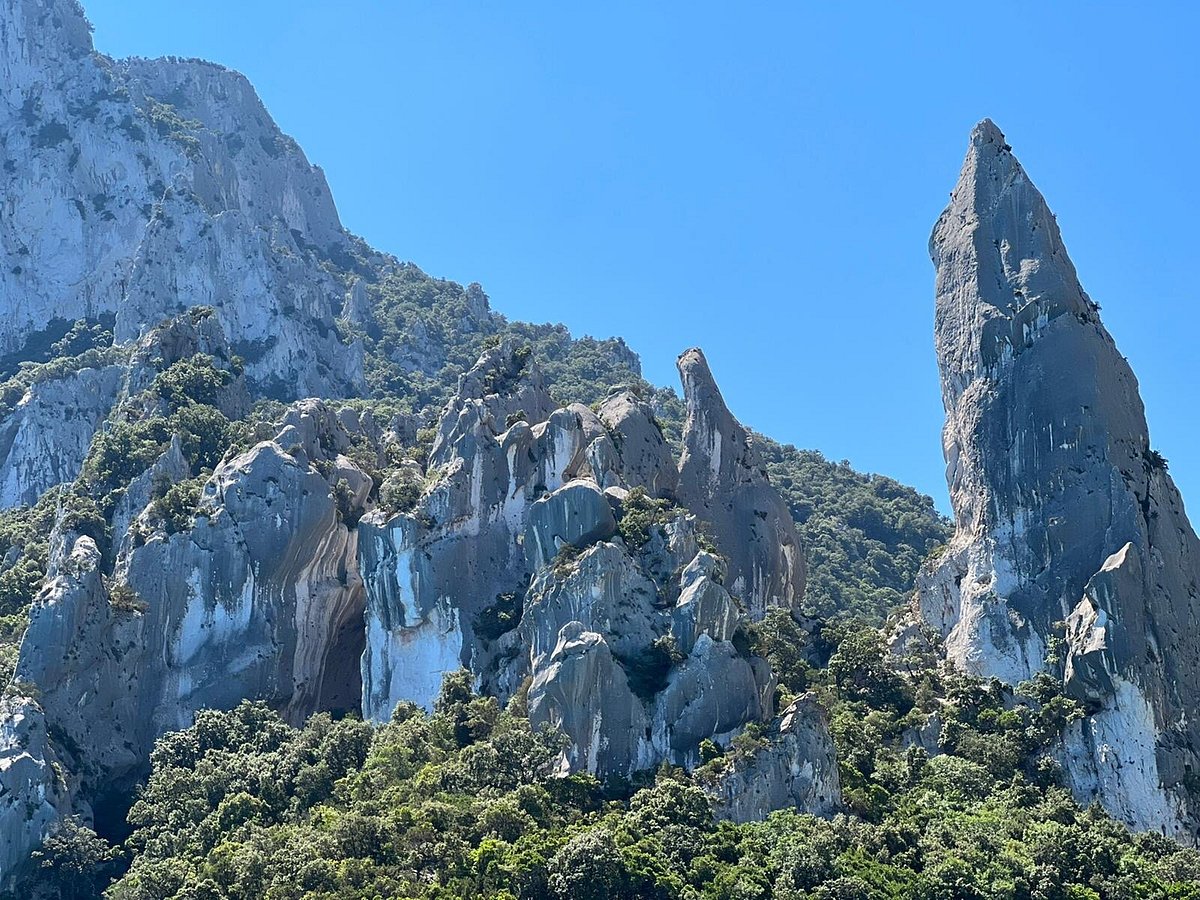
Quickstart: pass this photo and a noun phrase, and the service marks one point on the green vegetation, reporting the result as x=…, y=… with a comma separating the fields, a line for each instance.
x=166, y=120
x=865, y=535
x=639, y=513
x=177, y=507
x=460, y=803
x=428, y=331
x=182, y=401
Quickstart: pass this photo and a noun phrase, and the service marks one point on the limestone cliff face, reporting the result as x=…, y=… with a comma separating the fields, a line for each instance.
x=34, y=796
x=252, y=600
x=45, y=439
x=514, y=564
x=797, y=767
x=144, y=187
x=1063, y=511
x=157, y=199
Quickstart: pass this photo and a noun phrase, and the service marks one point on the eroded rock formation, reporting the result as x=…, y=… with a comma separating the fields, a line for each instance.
x=723, y=482
x=1063, y=511
x=251, y=600
x=517, y=563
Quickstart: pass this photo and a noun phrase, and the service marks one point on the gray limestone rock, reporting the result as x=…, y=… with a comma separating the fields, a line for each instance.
x=44, y=441
x=577, y=513
x=604, y=590
x=1062, y=510
x=33, y=796
x=704, y=607
x=642, y=456
x=431, y=575
x=140, y=188
x=584, y=692
x=722, y=481
x=797, y=768
x=711, y=694
x=249, y=602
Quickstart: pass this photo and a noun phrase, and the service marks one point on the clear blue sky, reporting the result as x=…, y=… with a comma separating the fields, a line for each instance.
x=759, y=179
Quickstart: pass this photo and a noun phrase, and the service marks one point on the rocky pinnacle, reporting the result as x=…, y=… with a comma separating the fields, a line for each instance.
x=1072, y=554
x=722, y=480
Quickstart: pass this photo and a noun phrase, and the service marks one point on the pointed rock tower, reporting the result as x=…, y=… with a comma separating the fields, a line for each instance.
x=722, y=480
x=1072, y=554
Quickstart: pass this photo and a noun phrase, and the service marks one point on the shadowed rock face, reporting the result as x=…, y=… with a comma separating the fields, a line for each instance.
x=722, y=481
x=1063, y=512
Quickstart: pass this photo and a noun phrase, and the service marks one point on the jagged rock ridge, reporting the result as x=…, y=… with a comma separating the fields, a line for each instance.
x=1063, y=511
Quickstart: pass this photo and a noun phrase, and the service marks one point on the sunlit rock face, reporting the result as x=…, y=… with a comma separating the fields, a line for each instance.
x=158, y=202
x=514, y=564
x=258, y=597
x=140, y=188
x=797, y=767
x=723, y=482
x=1064, y=514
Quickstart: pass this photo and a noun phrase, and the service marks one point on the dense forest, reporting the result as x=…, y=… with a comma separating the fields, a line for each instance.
x=459, y=804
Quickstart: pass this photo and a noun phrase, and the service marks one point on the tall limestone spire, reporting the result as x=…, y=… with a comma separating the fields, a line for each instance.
x=1072, y=553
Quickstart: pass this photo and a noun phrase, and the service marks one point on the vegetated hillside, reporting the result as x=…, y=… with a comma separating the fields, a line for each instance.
x=866, y=535
x=460, y=804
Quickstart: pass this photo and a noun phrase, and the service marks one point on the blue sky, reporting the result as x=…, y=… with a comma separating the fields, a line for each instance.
x=759, y=179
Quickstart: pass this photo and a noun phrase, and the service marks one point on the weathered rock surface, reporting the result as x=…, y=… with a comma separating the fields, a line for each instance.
x=577, y=513
x=34, y=796
x=642, y=456
x=628, y=650
x=44, y=441
x=144, y=187
x=1062, y=510
x=250, y=601
x=796, y=768
x=722, y=481
x=157, y=199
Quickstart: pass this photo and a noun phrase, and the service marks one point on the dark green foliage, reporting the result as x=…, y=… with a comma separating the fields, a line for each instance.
x=780, y=640
x=166, y=120
x=1156, y=460
x=461, y=804
x=196, y=379
x=123, y=449
x=501, y=617
x=75, y=864
x=177, y=507
x=84, y=335
x=400, y=491
x=649, y=669
x=24, y=545
x=125, y=599
x=428, y=331
x=348, y=510
x=28, y=373
x=639, y=513
x=865, y=535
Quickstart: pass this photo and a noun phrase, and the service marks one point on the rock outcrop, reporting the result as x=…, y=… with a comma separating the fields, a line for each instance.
x=259, y=597
x=33, y=796
x=138, y=189
x=722, y=480
x=154, y=207
x=45, y=439
x=514, y=564
x=795, y=767
x=1063, y=511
